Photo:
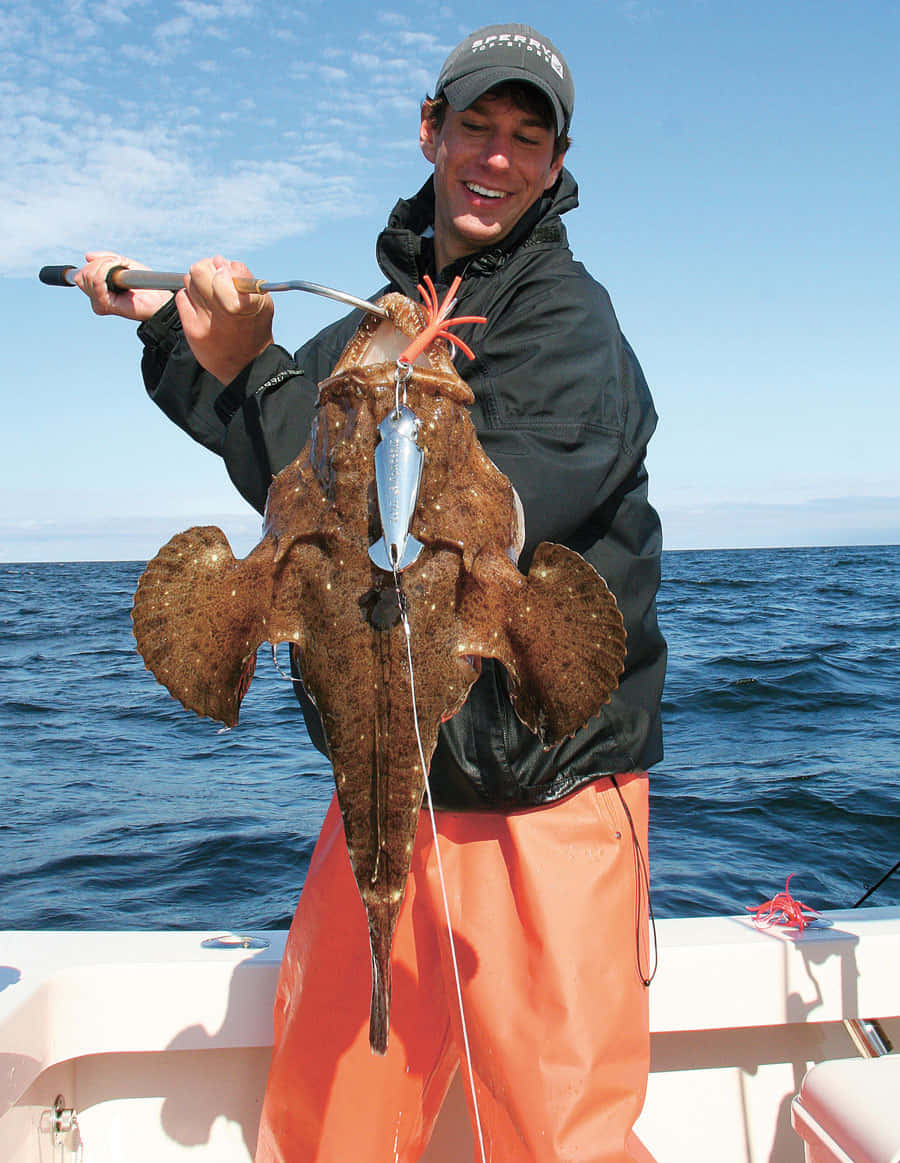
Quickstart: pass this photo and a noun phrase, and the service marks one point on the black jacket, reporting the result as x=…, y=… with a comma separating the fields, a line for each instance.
x=561, y=406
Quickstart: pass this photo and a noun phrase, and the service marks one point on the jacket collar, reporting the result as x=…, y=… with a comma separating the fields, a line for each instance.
x=405, y=253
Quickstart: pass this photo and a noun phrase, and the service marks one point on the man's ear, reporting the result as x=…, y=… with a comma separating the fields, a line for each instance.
x=555, y=168
x=428, y=139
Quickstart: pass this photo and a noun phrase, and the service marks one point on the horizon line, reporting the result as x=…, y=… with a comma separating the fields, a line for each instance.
x=666, y=549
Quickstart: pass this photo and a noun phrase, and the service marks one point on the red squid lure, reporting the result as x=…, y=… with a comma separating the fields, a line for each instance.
x=438, y=323
x=783, y=909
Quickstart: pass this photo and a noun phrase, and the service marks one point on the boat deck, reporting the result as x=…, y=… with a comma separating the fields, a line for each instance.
x=161, y=1046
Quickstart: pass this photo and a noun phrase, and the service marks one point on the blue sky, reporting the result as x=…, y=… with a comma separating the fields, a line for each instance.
x=738, y=167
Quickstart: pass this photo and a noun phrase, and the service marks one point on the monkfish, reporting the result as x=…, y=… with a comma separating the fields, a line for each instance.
x=354, y=618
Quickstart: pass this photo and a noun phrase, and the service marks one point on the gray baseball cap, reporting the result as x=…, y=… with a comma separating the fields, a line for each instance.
x=507, y=52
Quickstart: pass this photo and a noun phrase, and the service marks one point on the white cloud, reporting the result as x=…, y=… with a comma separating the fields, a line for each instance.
x=112, y=12
x=639, y=12
x=141, y=196
x=117, y=538
x=331, y=75
x=392, y=19
x=422, y=41
x=206, y=11
x=176, y=29
x=119, y=145
x=824, y=521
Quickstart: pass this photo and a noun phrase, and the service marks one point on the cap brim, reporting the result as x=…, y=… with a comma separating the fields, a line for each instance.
x=466, y=90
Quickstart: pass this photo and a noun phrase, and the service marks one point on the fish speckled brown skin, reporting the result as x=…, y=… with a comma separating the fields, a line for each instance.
x=200, y=614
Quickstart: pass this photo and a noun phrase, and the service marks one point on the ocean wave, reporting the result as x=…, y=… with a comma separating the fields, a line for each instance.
x=123, y=810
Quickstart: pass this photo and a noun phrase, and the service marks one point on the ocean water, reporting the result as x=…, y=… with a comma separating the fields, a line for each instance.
x=118, y=809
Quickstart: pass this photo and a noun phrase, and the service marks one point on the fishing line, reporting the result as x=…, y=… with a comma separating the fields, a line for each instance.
x=440, y=867
x=437, y=851
x=283, y=673
x=275, y=663
x=642, y=876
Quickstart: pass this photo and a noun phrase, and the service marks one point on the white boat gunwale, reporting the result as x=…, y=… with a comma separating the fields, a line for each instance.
x=735, y=1008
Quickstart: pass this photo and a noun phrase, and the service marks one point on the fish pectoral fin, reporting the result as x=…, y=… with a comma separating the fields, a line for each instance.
x=199, y=615
x=558, y=632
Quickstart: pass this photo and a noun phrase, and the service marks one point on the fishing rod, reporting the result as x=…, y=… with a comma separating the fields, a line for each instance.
x=122, y=278
x=878, y=884
x=867, y=1034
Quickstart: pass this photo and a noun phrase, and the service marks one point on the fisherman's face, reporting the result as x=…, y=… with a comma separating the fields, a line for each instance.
x=491, y=162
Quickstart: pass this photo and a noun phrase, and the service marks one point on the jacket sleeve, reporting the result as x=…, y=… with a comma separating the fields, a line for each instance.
x=260, y=421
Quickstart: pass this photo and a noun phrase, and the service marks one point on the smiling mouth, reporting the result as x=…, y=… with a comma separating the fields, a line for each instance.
x=484, y=191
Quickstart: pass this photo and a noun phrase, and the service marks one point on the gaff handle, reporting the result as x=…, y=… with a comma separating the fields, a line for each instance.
x=125, y=279
x=130, y=279
x=57, y=276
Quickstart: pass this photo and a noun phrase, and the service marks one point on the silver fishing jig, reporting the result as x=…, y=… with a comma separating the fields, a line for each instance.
x=398, y=474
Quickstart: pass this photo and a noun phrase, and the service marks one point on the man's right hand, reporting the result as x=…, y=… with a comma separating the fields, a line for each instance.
x=138, y=305
x=226, y=328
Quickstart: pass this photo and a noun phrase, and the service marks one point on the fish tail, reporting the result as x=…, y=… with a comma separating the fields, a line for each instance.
x=381, y=993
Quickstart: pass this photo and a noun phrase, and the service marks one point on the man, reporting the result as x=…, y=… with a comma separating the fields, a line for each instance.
x=543, y=851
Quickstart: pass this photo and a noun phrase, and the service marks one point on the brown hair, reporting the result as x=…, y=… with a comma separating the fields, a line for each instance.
x=522, y=95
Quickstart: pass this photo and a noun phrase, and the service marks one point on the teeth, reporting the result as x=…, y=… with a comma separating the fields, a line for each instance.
x=483, y=191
